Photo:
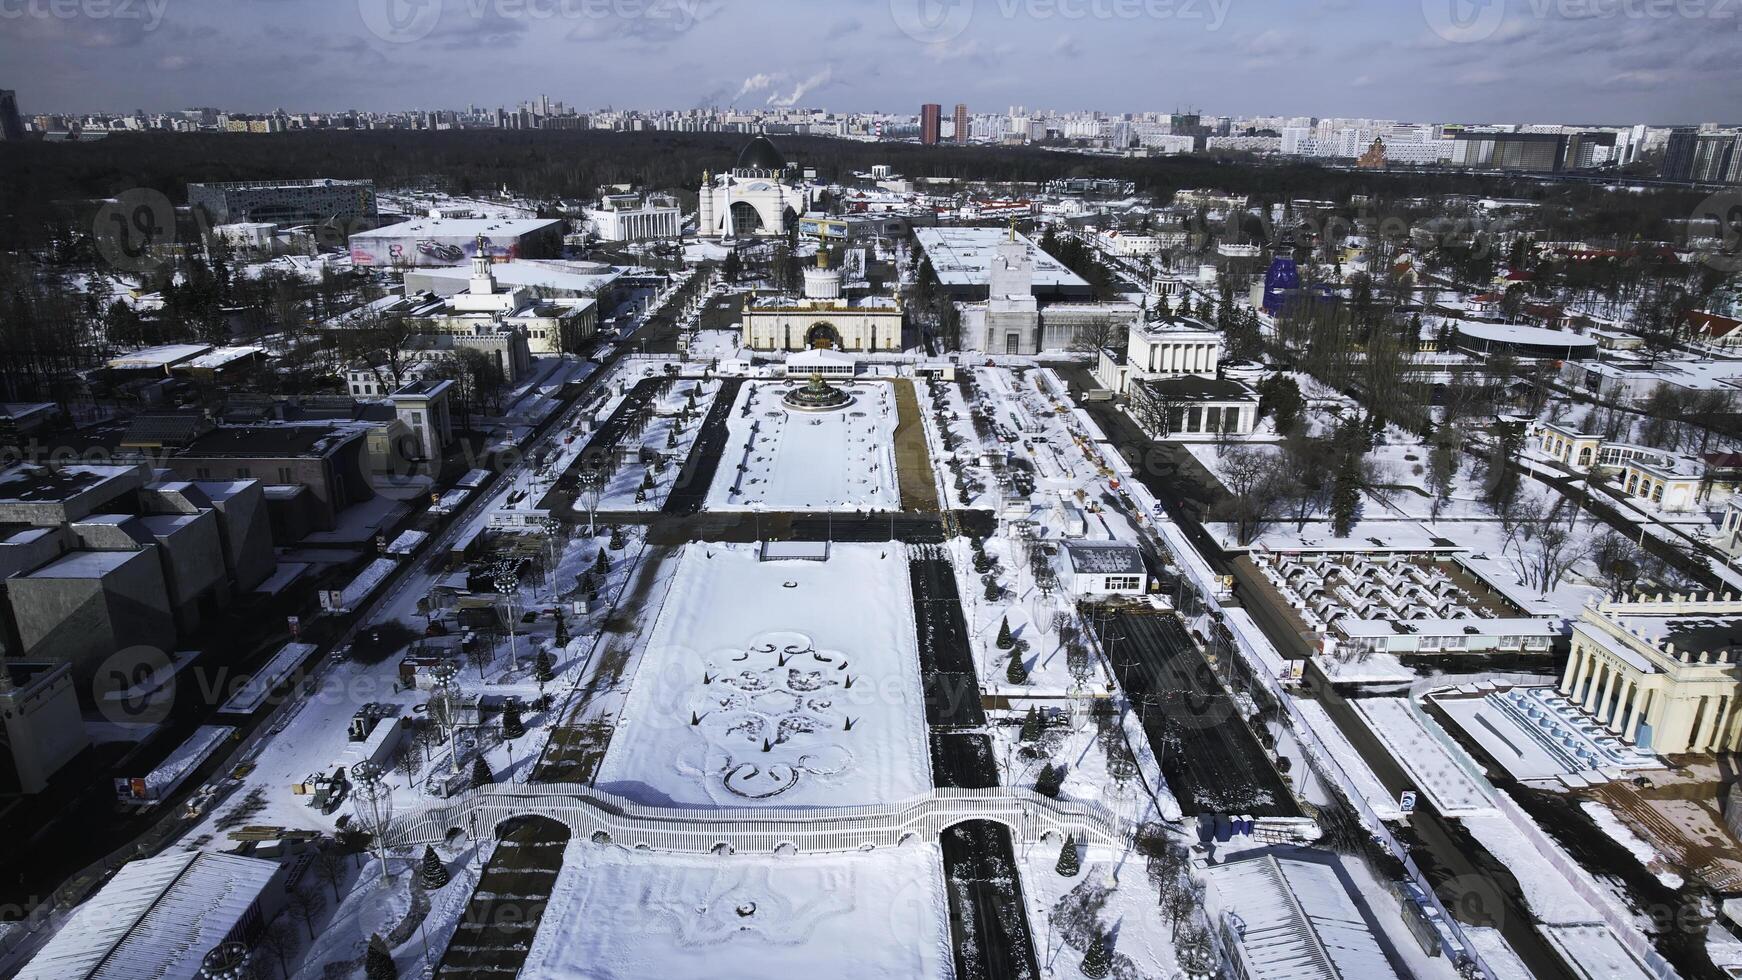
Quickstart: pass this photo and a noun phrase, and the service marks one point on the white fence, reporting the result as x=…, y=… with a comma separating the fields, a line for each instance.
x=594, y=814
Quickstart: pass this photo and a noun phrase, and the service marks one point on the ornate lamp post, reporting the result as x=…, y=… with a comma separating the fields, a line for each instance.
x=372, y=801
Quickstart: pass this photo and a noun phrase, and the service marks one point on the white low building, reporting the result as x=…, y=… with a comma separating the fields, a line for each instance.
x=1104, y=569
x=821, y=362
x=621, y=221
x=1576, y=450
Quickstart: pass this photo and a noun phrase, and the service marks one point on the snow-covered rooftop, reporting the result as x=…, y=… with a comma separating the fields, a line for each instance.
x=1300, y=920
x=1104, y=559
x=963, y=257
x=156, y=918
x=158, y=357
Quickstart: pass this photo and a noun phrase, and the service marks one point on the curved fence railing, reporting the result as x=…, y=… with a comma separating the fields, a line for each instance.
x=598, y=815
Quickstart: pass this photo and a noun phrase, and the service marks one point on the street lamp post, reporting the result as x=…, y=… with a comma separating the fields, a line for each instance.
x=506, y=578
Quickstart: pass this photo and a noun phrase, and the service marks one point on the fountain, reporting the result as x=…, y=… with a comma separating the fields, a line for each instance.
x=818, y=396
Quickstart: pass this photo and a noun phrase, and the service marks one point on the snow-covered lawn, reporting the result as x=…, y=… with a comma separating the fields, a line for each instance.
x=665, y=435
x=785, y=682
x=618, y=913
x=1128, y=907
x=780, y=459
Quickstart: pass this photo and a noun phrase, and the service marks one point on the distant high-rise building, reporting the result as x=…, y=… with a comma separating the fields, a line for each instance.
x=1714, y=155
x=961, y=122
x=1678, y=153
x=931, y=116
x=11, y=125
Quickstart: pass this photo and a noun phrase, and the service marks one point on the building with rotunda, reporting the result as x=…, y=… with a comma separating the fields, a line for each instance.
x=755, y=198
x=824, y=318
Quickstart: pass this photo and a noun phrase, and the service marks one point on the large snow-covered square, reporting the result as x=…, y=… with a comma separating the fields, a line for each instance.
x=782, y=459
x=879, y=915
x=784, y=682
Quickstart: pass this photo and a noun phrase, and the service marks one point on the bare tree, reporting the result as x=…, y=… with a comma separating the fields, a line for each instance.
x=1549, y=551
x=479, y=655
x=406, y=762
x=1178, y=900
x=280, y=940
x=1250, y=477
x=329, y=868
x=1442, y=470
x=305, y=906
x=1152, y=409
x=1308, y=488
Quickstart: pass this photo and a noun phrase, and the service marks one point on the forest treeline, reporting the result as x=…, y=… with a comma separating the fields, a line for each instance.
x=37, y=180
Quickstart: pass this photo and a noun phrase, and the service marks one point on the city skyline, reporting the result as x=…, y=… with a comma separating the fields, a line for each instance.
x=1538, y=61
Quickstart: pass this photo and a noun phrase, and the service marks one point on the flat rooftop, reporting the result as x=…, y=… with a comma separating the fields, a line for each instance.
x=567, y=277
x=39, y=484
x=158, y=357
x=83, y=564
x=1105, y=559
x=458, y=228
x=273, y=441
x=962, y=259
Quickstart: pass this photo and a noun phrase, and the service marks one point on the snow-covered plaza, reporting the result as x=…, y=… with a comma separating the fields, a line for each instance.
x=878, y=915
x=783, y=459
x=785, y=682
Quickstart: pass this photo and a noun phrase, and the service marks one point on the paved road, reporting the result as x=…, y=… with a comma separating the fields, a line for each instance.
x=988, y=918
x=1211, y=759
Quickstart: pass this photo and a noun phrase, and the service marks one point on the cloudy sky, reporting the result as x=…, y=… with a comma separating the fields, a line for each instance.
x=1616, y=61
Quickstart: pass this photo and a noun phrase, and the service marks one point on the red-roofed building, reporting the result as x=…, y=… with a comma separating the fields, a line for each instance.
x=1724, y=331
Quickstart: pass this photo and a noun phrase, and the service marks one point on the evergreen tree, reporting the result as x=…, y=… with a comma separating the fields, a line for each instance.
x=993, y=592
x=562, y=630
x=378, y=962
x=1005, y=641
x=435, y=875
x=1048, y=782
x=1098, y=961
x=1068, y=865
x=601, y=564
x=544, y=668
x=617, y=542
x=1346, y=494
x=512, y=725
x=481, y=774
x=1017, y=673
x=1031, y=724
